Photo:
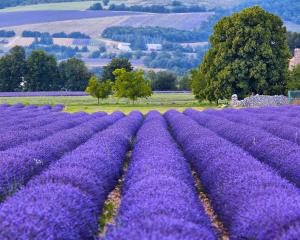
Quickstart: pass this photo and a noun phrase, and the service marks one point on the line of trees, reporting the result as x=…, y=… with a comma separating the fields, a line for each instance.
x=41, y=72
x=37, y=34
x=176, y=8
x=118, y=77
x=152, y=34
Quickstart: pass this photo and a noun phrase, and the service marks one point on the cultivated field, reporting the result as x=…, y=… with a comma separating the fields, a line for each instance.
x=83, y=5
x=230, y=174
x=161, y=102
x=94, y=26
x=46, y=16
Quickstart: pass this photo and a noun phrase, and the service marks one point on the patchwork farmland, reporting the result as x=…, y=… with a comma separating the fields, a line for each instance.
x=93, y=24
x=31, y=17
x=61, y=170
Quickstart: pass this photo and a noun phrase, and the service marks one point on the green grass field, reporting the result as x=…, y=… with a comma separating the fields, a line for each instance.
x=160, y=102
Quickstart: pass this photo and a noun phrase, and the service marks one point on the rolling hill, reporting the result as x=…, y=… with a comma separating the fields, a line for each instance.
x=55, y=16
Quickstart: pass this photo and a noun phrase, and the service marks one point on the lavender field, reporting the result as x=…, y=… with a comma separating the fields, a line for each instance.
x=8, y=19
x=215, y=174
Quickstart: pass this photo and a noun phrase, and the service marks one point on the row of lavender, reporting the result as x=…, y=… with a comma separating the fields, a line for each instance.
x=251, y=198
x=44, y=94
x=58, y=172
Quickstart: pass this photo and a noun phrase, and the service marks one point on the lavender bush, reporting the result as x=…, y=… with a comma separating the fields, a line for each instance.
x=19, y=164
x=281, y=154
x=65, y=201
x=291, y=133
x=249, y=197
x=43, y=94
x=159, y=199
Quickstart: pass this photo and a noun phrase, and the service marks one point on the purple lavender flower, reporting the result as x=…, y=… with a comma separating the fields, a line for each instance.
x=280, y=154
x=20, y=163
x=64, y=202
x=159, y=200
x=250, y=198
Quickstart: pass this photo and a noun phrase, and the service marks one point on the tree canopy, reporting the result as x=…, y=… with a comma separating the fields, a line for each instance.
x=249, y=53
x=41, y=72
x=163, y=81
x=12, y=69
x=74, y=74
x=97, y=89
x=131, y=85
x=116, y=63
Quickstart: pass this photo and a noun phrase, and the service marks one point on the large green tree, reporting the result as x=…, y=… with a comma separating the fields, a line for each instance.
x=249, y=53
x=74, y=75
x=42, y=72
x=12, y=69
x=116, y=63
x=131, y=85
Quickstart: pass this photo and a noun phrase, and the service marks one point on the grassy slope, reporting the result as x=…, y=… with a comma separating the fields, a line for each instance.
x=160, y=102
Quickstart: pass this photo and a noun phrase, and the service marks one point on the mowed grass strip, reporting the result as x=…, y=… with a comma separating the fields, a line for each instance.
x=161, y=102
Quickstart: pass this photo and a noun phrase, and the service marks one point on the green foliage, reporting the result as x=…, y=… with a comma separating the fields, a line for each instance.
x=107, y=215
x=177, y=61
x=198, y=85
x=96, y=6
x=185, y=83
x=41, y=73
x=116, y=63
x=286, y=9
x=7, y=34
x=176, y=7
x=152, y=34
x=294, y=78
x=105, y=2
x=249, y=53
x=293, y=40
x=74, y=75
x=163, y=80
x=131, y=85
x=99, y=90
x=12, y=69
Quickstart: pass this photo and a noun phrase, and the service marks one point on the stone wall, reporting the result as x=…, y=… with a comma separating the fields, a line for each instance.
x=259, y=101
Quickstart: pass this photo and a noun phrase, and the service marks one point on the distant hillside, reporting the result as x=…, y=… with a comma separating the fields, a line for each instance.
x=206, y=3
x=287, y=9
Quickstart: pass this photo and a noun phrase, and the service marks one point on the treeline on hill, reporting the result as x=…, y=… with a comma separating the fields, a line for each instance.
x=176, y=8
x=153, y=34
x=37, y=34
x=7, y=34
x=41, y=72
x=286, y=9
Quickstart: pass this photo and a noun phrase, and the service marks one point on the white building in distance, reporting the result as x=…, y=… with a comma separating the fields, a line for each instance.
x=296, y=59
x=154, y=47
x=124, y=47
